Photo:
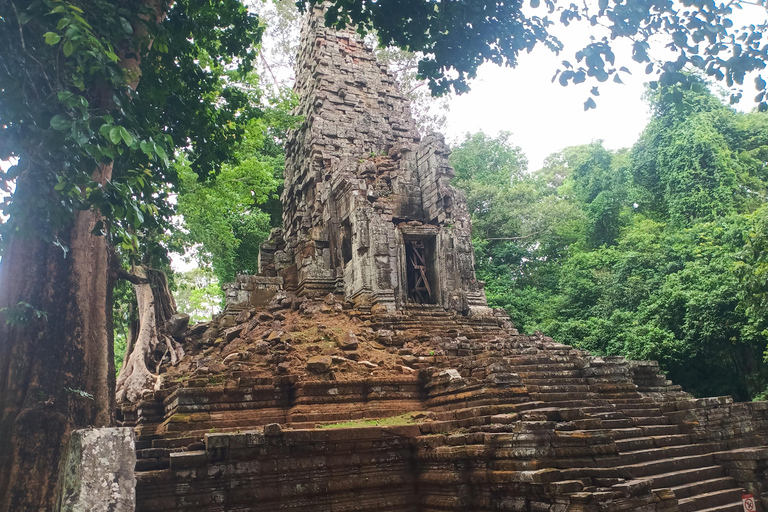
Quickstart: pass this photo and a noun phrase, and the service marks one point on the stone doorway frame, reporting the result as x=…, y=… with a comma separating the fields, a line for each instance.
x=427, y=235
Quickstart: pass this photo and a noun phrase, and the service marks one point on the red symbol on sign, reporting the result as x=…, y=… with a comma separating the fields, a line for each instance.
x=749, y=502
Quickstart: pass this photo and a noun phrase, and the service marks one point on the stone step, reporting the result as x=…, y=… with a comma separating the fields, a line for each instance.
x=554, y=381
x=655, y=467
x=617, y=423
x=646, y=442
x=636, y=410
x=655, y=454
x=610, y=414
x=555, y=374
x=542, y=366
x=659, y=430
x=558, y=396
x=174, y=442
x=558, y=388
x=699, y=487
x=736, y=506
x=686, y=476
x=650, y=420
x=710, y=500
x=571, y=404
x=625, y=433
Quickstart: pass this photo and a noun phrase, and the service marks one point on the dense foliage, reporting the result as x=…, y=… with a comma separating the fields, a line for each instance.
x=658, y=252
x=96, y=83
x=224, y=220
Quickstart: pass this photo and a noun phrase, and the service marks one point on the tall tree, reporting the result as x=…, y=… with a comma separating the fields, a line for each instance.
x=521, y=222
x=225, y=219
x=94, y=97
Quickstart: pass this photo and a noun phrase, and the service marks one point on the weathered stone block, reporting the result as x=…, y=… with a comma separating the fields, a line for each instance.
x=98, y=474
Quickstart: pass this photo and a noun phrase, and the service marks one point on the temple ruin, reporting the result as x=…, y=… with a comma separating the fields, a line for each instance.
x=368, y=208
x=362, y=370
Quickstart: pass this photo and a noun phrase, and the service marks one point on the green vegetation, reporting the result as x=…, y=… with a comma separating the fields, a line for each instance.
x=226, y=218
x=408, y=418
x=658, y=252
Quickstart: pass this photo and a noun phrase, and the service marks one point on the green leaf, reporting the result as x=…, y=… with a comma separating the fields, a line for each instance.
x=125, y=136
x=111, y=55
x=51, y=38
x=127, y=28
x=63, y=22
x=161, y=153
x=139, y=219
x=60, y=123
x=65, y=96
x=60, y=186
x=68, y=48
x=114, y=135
x=81, y=20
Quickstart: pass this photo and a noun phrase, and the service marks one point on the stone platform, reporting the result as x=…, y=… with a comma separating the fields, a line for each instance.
x=487, y=420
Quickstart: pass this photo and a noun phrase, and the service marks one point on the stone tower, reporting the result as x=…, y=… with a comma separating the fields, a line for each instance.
x=368, y=208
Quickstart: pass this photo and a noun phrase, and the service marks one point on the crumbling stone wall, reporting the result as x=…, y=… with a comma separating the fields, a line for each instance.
x=251, y=291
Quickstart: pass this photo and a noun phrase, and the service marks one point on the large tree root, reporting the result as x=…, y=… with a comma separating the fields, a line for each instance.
x=153, y=344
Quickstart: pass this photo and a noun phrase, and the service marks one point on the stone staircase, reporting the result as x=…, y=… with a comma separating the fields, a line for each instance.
x=507, y=417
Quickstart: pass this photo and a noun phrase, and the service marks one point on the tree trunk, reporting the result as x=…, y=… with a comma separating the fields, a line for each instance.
x=153, y=344
x=56, y=354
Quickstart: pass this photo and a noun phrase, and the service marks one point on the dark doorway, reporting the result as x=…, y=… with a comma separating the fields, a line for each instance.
x=420, y=271
x=346, y=241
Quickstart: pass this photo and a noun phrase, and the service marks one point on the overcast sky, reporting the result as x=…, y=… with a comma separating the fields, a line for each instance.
x=545, y=117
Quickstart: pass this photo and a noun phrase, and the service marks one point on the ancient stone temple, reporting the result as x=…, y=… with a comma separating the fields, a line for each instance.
x=368, y=208
x=363, y=371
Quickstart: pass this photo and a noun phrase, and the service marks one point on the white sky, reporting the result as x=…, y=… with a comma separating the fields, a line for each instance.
x=545, y=117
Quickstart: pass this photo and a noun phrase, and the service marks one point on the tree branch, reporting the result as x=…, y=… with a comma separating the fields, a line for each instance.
x=264, y=61
x=131, y=278
x=24, y=47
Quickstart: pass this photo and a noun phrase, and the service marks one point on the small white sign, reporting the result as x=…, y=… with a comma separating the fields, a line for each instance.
x=749, y=503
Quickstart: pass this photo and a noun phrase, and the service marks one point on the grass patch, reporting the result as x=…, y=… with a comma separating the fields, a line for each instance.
x=216, y=379
x=408, y=418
